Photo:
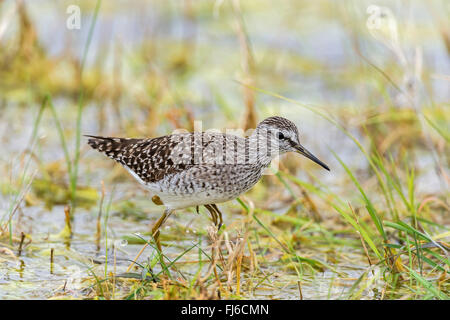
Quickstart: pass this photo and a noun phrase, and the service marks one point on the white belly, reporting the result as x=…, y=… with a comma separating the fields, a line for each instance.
x=193, y=188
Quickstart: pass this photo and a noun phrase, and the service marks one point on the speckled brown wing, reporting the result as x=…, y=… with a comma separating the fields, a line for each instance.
x=150, y=159
x=154, y=159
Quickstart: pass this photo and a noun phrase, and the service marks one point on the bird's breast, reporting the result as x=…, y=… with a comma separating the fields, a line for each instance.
x=206, y=184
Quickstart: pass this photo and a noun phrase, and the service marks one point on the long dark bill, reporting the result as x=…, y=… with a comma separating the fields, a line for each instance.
x=309, y=155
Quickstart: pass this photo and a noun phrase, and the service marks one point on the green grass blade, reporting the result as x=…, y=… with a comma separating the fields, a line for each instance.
x=428, y=285
x=442, y=133
x=369, y=206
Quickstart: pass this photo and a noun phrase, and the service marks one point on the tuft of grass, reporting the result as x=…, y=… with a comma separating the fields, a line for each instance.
x=76, y=160
x=73, y=164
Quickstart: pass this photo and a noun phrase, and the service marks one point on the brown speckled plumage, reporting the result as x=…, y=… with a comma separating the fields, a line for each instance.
x=148, y=158
x=191, y=169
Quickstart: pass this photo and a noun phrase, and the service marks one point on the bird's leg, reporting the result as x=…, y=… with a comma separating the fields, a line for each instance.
x=158, y=224
x=155, y=235
x=219, y=214
x=212, y=212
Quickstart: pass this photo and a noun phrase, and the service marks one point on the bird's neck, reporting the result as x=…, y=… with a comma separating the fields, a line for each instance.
x=260, y=149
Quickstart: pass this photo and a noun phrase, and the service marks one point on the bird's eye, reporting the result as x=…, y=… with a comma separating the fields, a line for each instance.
x=280, y=135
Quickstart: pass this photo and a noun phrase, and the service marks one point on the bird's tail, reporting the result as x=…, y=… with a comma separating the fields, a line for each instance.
x=111, y=146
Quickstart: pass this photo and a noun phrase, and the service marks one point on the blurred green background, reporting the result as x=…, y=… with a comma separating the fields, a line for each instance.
x=367, y=84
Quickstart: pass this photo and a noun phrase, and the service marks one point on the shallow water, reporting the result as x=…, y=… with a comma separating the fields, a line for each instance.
x=31, y=275
x=304, y=32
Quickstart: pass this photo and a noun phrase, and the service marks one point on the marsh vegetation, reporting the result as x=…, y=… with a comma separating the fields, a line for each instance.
x=367, y=85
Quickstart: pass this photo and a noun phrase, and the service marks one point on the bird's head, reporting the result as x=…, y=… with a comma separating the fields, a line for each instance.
x=282, y=135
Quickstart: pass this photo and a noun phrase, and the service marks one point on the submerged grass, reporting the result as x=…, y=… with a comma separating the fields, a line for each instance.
x=370, y=233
